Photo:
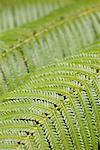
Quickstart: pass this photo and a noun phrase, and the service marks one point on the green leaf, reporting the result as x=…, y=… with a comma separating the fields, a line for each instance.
x=60, y=38
x=49, y=75
x=58, y=107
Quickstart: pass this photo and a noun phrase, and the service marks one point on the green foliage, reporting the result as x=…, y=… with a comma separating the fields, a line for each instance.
x=58, y=107
x=60, y=38
x=15, y=13
x=50, y=75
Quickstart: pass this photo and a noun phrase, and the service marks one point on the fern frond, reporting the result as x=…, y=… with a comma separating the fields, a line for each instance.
x=60, y=39
x=49, y=75
x=16, y=13
x=57, y=108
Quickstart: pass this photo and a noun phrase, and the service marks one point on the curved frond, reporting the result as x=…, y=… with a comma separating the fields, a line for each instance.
x=57, y=108
x=59, y=39
x=49, y=75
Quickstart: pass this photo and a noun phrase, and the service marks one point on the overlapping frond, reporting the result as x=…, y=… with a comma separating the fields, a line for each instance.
x=57, y=40
x=57, y=108
x=49, y=75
